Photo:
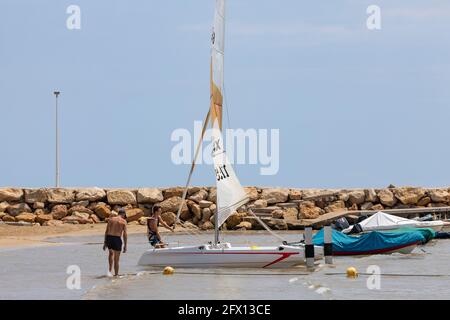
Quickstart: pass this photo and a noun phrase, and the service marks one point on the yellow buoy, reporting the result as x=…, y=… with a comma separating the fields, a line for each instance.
x=352, y=272
x=168, y=271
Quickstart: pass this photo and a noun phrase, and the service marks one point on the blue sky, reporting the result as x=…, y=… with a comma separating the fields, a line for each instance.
x=355, y=108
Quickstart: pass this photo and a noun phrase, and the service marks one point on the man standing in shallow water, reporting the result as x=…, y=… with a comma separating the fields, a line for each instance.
x=116, y=228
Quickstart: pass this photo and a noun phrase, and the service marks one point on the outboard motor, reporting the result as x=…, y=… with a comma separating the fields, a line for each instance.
x=341, y=224
x=362, y=218
x=356, y=229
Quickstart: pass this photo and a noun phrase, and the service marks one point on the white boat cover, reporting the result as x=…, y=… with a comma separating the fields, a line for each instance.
x=384, y=221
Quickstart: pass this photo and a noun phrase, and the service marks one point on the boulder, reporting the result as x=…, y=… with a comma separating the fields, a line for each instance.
x=195, y=209
x=134, y=214
x=26, y=217
x=53, y=223
x=377, y=207
x=277, y=214
x=424, y=201
x=90, y=194
x=199, y=196
x=76, y=220
x=336, y=206
x=149, y=195
x=36, y=195
x=308, y=210
x=43, y=218
x=367, y=206
x=356, y=197
x=212, y=195
x=439, y=195
x=94, y=218
x=102, y=211
x=83, y=203
x=173, y=192
x=121, y=197
x=60, y=195
x=206, y=214
x=38, y=205
x=8, y=218
x=277, y=224
x=343, y=195
x=59, y=211
x=275, y=195
x=252, y=193
x=193, y=190
x=295, y=194
x=81, y=215
x=409, y=195
x=11, y=194
x=245, y=225
x=143, y=221
x=80, y=209
x=233, y=220
x=290, y=214
x=18, y=208
x=169, y=218
x=172, y=205
x=436, y=205
x=386, y=197
x=205, y=204
x=3, y=206
x=371, y=195
x=261, y=203
x=207, y=225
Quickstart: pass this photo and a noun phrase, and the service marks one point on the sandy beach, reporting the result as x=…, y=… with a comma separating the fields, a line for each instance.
x=26, y=236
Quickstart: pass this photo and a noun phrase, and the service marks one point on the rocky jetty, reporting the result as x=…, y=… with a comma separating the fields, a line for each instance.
x=280, y=208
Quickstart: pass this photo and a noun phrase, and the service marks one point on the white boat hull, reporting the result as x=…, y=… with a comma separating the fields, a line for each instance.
x=226, y=256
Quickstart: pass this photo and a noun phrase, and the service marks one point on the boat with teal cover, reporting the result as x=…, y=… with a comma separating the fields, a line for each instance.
x=402, y=240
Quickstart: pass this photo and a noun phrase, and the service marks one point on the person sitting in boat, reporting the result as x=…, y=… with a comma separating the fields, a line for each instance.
x=152, y=228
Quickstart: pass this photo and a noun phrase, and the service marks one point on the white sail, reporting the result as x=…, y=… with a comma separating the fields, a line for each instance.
x=230, y=194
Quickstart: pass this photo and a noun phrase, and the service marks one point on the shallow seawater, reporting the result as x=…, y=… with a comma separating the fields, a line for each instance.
x=41, y=273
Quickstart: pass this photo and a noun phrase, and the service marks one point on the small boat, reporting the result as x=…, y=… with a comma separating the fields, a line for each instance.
x=383, y=221
x=224, y=255
x=376, y=242
x=230, y=194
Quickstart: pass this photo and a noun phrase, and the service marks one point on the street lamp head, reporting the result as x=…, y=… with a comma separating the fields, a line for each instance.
x=56, y=93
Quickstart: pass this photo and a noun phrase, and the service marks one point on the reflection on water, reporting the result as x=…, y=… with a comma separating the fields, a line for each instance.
x=40, y=273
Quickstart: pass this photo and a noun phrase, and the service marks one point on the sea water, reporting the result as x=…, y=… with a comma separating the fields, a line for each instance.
x=48, y=273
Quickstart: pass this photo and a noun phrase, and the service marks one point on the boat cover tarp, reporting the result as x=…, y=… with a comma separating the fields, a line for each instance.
x=382, y=220
x=375, y=241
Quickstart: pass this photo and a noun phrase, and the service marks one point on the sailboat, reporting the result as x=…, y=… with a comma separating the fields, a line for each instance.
x=230, y=194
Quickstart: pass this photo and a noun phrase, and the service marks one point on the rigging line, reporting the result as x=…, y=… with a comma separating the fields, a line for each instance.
x=191, y=171
x=266, y=227
x=225, y=100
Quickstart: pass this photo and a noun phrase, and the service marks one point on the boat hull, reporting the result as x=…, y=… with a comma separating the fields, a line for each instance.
x=225, y=256
x=403, y=249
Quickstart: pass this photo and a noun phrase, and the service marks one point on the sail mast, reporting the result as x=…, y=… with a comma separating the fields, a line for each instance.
x=216, y=82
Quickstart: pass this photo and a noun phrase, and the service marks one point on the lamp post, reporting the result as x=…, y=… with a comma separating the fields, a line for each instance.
x=56, y=93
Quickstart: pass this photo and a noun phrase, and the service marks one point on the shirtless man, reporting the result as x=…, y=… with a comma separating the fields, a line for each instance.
x=116, y=228
x=152, y=228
